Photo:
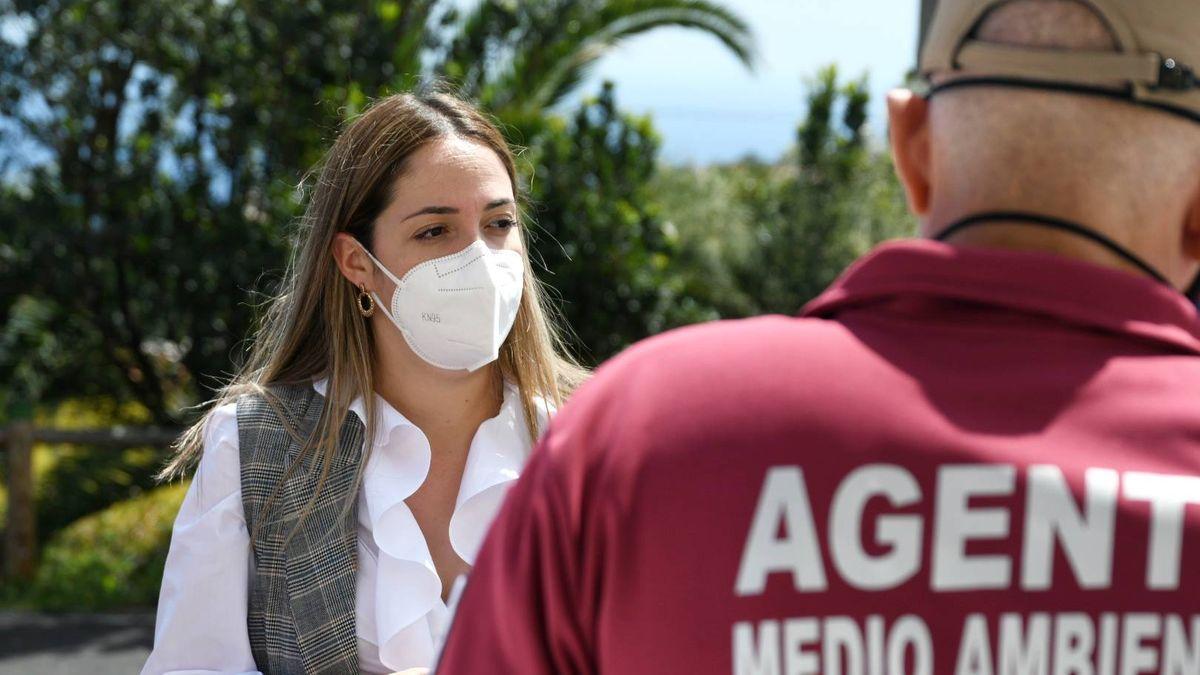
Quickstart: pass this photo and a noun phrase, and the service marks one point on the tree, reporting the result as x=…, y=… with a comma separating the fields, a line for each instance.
x=761, y=237
x=152, y=148
x=813, y=218
x=599, y=230
x=157, y=156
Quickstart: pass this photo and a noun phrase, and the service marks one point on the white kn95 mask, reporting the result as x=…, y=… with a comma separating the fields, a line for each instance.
x=456, y=311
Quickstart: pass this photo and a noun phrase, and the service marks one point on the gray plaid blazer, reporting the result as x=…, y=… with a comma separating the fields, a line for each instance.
x=302, y=592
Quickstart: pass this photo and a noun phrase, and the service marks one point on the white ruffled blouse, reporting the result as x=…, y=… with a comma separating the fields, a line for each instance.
x=401, y=618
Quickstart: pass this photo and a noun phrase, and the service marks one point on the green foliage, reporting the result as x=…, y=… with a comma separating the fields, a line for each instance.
x=82, y=480
x=152, y=186
x=836, y=201
x=109, y=560
x=71, y=481
x=710, y=210
x=766, y=238
x=159, y=156
x=599, y=233
x=30, y=349
x=810, y=219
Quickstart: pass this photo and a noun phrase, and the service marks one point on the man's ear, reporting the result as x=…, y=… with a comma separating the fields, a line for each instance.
x=1191, y=230
x=352, y=260
x=908, y=117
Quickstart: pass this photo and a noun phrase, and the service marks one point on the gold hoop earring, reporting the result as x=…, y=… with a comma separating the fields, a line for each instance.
x=366, y=302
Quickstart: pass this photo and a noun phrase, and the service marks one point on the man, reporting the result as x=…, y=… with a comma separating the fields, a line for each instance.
x=976, y=455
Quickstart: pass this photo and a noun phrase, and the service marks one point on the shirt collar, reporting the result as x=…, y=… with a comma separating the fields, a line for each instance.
x=1033, y=282
x=401, y=580
x=391, y=419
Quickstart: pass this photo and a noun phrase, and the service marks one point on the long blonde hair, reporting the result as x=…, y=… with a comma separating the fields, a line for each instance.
x=312, y=329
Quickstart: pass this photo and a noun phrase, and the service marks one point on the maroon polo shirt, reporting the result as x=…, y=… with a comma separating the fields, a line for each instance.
x=955, y=461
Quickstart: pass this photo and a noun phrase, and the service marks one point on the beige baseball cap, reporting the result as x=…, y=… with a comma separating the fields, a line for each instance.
x=1158, y=54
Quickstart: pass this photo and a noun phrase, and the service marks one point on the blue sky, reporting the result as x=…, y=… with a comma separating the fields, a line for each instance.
x=711, y=109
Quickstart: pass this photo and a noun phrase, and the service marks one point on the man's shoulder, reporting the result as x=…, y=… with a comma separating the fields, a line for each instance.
x=719, y=376
x=726, y=352
x=737, y=338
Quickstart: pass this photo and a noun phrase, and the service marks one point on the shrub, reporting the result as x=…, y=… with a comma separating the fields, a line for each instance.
x=112, y=559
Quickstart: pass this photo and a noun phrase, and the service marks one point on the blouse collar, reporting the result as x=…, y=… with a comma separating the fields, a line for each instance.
x=406, y=587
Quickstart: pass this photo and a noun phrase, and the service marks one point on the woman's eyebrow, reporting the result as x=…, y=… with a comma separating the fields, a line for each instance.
x=445, y=210
x=437, y=210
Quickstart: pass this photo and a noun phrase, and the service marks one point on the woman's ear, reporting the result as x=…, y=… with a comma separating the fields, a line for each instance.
x=352, y=260
x=908, y=118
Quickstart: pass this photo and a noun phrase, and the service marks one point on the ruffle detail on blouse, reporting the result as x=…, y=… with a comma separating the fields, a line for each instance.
x=410, y=618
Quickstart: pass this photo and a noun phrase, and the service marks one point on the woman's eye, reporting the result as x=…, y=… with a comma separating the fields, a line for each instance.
x=503, y=223
x=431, y=233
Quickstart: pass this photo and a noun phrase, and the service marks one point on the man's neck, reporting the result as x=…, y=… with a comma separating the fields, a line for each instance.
x=1023, y=236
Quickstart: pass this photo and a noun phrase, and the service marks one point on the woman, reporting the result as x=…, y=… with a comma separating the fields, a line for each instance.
x=349, y=471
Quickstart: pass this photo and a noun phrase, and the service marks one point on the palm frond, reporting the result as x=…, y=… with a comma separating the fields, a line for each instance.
x=707, y=17
x=523, y=57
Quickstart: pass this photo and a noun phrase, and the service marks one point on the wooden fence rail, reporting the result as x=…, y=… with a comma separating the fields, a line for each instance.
x=18, y=439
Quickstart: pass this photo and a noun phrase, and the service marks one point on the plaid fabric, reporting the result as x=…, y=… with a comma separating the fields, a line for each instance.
x=302, y=591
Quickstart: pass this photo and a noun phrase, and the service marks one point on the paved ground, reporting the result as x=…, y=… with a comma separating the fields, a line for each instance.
x=92, y=644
